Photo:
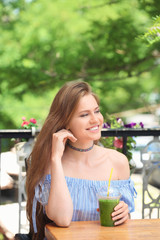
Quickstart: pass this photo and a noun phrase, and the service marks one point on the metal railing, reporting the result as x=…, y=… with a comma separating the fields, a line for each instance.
x=124, y=133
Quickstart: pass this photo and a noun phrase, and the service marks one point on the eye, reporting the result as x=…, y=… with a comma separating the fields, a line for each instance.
x=84, y=115
x=97, y=111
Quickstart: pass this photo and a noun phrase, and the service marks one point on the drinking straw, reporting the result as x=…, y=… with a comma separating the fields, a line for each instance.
x=109, y=182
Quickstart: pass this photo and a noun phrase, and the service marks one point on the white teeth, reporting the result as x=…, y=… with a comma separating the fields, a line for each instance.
x=94, y=128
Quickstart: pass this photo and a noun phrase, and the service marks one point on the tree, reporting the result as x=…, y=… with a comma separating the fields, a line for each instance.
x=46, y=43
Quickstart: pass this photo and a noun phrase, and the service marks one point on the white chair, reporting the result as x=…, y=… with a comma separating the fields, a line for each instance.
x=150, y=157
x=23, y=150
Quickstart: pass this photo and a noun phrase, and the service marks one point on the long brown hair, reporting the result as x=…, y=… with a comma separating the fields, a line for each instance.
x=61, y=111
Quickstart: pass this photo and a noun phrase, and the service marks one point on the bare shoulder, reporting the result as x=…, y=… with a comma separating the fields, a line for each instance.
x=119, y=162
x=114, y=154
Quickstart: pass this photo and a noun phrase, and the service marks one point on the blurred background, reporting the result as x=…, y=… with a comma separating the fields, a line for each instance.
x=114, y=45
x=43, y=44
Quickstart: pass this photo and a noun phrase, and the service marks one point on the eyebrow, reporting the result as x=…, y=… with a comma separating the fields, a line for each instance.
x=88, y=110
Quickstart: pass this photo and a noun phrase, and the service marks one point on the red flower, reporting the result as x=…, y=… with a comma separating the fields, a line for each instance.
x=118, y=142
x=24, y=123
x=33, y=120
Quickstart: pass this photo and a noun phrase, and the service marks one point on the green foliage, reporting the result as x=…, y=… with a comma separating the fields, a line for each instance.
x=151, y=7
x=153, y=34
x=111, y=122
x=45, y=43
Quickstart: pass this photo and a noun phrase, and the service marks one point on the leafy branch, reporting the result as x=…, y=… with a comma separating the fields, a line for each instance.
x=153, y=34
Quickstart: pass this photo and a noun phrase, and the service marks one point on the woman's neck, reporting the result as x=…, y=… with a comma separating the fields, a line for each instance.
x=80, y=149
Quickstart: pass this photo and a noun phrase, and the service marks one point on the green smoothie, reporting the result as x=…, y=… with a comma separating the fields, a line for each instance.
x=106, y=207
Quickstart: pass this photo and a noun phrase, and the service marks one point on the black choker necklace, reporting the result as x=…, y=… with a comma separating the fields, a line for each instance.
x=79, y=149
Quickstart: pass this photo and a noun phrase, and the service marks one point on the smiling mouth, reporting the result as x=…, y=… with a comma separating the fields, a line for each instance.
x=93, y=128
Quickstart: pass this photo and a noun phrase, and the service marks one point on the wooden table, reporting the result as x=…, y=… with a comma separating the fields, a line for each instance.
x=91, y=230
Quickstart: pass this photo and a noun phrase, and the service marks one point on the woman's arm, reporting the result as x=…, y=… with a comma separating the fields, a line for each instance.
x=60, y=207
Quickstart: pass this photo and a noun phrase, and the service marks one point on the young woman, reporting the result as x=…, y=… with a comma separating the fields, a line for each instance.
x=67, y=168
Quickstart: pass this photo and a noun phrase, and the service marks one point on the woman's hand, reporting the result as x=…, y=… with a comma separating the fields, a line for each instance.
x=121, y=213
x=58, y=142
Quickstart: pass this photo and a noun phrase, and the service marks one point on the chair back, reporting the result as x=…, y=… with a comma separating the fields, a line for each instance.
x=150, y=157
x=23, y=150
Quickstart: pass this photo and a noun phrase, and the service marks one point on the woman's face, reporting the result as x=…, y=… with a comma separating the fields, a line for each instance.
x=86, y=122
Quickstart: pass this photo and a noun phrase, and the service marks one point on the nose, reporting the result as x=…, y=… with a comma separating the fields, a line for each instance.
x=93, y=118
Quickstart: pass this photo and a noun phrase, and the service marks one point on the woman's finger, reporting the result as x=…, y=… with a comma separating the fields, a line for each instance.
x=120, y=213
x=121, y=210
x=122, y=220
x=58, y=142
x=64, y=134
x=120, y=205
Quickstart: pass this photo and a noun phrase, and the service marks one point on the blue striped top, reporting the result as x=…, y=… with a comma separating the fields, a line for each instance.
x=84, y=196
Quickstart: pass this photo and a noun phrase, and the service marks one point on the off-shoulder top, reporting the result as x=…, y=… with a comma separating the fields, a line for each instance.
x=84, y=196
